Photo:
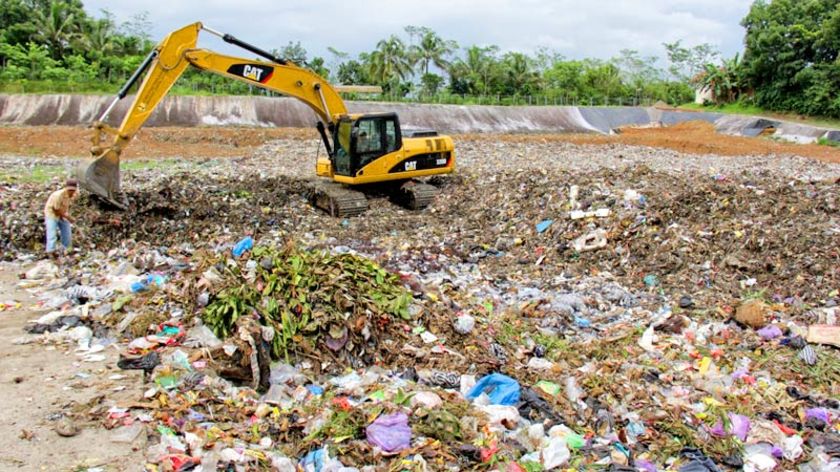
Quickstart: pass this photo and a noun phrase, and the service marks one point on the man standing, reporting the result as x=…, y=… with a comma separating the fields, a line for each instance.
x=57, y=215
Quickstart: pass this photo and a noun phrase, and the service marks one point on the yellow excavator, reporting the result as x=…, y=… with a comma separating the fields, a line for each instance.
x=362, y=150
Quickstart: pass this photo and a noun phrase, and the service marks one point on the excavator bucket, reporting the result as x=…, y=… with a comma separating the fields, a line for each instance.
x=101, y=176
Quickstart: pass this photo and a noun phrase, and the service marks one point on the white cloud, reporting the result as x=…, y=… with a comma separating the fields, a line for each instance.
x=594, y=28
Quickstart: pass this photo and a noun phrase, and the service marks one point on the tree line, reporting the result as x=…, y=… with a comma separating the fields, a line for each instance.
x=790, y=62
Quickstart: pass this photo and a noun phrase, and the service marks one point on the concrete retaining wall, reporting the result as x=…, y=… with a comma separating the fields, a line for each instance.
x=287, y=112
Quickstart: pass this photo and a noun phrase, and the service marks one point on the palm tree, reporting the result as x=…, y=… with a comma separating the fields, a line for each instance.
x=519, y=74
x=100, y=40
x=433, y=49
x=476, y=69
x=56, y=27
x=389, y=62
x=101, y=44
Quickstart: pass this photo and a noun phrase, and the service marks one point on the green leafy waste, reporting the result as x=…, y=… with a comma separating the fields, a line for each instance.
x=308, y=295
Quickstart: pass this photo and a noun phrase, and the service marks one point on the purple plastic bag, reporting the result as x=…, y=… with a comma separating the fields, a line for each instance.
x=818, y=413
x=717, y=430
x=390, y=432
x=740, y=373
x=770, y=332
x=644, y=465
x=740, y=426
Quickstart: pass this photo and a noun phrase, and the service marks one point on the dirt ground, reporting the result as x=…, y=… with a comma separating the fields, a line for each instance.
x=690, y=138
x=73, y=141
x=39, y=384
x=696, y=137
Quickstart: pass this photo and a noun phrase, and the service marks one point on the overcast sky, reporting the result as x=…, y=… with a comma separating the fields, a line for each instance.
x=575, y=28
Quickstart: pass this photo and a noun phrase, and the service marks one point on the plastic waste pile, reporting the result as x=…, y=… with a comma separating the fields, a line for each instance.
x=418, y=372
x=536, y=317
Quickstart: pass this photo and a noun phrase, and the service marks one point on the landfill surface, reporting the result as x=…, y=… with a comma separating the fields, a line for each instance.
x=560, y=306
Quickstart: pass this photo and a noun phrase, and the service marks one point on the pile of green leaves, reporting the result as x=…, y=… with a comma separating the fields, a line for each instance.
x=307, y=295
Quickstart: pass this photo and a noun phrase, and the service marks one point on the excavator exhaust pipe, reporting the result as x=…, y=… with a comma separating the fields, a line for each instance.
x=102, y=177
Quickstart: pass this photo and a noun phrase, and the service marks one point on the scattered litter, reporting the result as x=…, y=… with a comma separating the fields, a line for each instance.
x=656, y=310
x=391, y=432
x=499, y=389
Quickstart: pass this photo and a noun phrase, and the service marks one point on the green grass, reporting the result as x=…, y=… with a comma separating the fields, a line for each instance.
x=37, y=174
x=146, y=164
x=752, y=110
x=43, y=173
x=826, y=142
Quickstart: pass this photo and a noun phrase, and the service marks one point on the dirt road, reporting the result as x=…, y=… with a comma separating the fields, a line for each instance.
x=42, y=387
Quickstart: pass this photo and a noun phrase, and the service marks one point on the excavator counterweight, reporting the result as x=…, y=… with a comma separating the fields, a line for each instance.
x=362, y=149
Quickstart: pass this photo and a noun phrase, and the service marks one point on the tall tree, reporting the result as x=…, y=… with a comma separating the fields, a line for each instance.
x=16, y=26
x=293, y=52
x=686, y=62
x=415, y=32
x=791, y=55
x=545, y=58
x=338, y=58
x=135, y=35
x=432, y=50
x=317, y=66
x=100, y=39
x=476, y=73
x=520, y=77
x=566, y=78
x=635, y=69
x=604, y=78
x=352, y=72
x=57, y=26
x=389, y=63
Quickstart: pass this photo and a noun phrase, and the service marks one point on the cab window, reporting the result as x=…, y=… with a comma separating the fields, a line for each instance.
x=390, y=136
x=369, y=139
x=373, y=137
x=342, y=151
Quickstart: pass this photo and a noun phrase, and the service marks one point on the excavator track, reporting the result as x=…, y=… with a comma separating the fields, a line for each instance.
x=338, y=200
x=415, y=195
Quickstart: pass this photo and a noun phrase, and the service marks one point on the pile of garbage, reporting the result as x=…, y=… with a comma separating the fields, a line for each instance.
x=166, y=210
x=416, y=371
x=714, y=235
x=690, y=234
x=543, y=313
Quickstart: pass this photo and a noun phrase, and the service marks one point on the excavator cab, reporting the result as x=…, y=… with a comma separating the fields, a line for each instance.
x=363, y=140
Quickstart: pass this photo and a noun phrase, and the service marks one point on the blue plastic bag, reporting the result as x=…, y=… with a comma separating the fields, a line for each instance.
x=501, y=389
x=139, y=286
x=314, y=460
x=582, y=322
x=143, y=284
x=245, y=244
x=543, y=225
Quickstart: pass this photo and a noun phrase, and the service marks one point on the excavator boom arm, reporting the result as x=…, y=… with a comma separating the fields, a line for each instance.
x=162, y=69
x=290, y=80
